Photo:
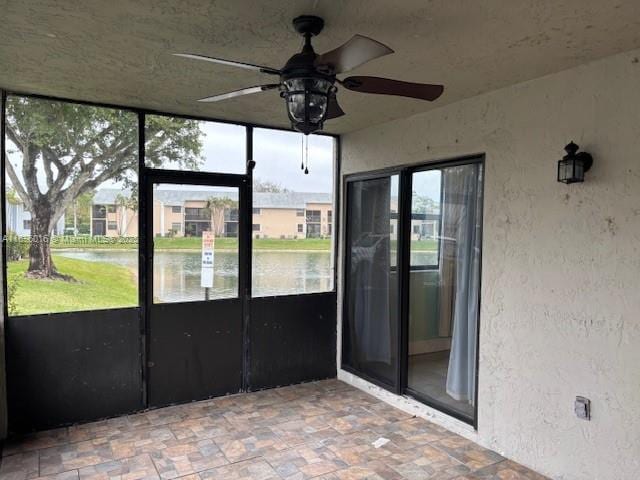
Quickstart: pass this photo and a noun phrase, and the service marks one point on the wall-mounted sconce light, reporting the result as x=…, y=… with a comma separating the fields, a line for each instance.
x=573, y=165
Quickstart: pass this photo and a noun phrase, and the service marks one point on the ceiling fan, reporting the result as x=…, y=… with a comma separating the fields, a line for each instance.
x=308, y=81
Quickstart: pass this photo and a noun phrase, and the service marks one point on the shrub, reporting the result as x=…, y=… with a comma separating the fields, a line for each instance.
x=12, y=286
x=17, y=247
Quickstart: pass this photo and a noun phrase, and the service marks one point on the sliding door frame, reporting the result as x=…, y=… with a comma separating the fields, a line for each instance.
x=347, y=180
x=405, y=173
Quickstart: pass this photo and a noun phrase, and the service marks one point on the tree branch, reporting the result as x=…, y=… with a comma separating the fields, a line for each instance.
x=29, y=171
x=84, y=183
x=55, y=158
x=13, y=136
x=15, y=182
x=47, y=161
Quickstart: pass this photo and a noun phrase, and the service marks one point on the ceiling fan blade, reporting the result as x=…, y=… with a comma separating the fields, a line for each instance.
x=232, y=63
x=333, y=108
x=387, y=86
x=237, y=93
x=358, y=50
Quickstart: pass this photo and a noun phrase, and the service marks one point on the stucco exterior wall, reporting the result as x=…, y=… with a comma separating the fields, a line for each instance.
x=126, y=221
x=277, y=222
x=561, y=264
x=324, y=216
x=171, y=217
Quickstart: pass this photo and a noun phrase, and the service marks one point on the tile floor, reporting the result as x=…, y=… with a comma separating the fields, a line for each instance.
x=320, y=430
x=428, y=375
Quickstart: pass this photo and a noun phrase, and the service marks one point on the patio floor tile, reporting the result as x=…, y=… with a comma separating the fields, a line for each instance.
x=505, y=470
x=186, y=458
x=20, y=466
x=323, y=430
x=139, y=467
x=254, y=469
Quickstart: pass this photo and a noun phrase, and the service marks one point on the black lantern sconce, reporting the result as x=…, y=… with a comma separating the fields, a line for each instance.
x=573, y=165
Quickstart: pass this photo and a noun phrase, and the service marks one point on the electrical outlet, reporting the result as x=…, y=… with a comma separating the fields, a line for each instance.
x=582, y=407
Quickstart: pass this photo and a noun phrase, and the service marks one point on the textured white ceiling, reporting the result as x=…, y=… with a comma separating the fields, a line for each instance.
x=117, y=51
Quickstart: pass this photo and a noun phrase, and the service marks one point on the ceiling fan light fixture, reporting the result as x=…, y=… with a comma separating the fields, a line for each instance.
x=307, y=81
x=306, y=100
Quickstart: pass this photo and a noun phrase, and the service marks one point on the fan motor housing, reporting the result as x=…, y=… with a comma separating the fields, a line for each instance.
x=308, y=24
x=301, y=65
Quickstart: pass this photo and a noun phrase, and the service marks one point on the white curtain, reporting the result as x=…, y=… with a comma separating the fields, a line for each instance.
x=462, y=204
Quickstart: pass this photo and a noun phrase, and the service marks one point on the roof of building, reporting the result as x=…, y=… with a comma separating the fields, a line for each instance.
x=282, y=200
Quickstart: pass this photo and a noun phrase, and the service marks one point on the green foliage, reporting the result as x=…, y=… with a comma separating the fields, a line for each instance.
x=12, y=196
x=214, y=203
x=75, y=148
x=127, y=202
x=173, y=140
x=75, y=134
x=268, y=186
x=81, y=207
x=97, y=285
x=13, y=282
x=17, y=247
x=288, y=244
x=423, y=204
x=187, y=243
x=215, y=207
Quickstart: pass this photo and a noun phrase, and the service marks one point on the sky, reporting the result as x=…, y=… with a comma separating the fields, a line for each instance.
x=427, y=184
x=424, y=184
x=277, y=153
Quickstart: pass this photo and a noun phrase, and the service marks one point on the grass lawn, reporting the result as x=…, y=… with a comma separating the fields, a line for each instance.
x=419, y=245
x=195, y=243
x=98, y=285
x=192, y=243
x=60, y=242
x=424, y=245
x=101, y=285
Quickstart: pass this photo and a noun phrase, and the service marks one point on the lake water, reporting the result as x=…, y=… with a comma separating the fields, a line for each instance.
x=176, y=274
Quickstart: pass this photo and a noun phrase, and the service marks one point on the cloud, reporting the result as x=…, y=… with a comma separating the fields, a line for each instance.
x=278, y=155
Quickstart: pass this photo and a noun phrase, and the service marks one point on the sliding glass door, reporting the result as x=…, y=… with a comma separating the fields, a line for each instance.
x=446, y=224
x=410, y=321
x=370, y=328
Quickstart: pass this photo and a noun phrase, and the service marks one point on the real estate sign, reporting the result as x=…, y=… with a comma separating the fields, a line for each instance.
x=206, y=274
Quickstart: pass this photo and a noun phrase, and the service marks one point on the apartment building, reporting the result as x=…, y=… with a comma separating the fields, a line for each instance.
x=424, y=224
x=292, y=215
x=190, y=212
x=18, y=220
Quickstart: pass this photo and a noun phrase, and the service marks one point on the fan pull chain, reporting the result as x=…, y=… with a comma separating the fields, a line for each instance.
x=302, y=152
x=306, y=154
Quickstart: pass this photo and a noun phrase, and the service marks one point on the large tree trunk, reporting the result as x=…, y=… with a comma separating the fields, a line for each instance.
x=40, y=261
x=218, y=223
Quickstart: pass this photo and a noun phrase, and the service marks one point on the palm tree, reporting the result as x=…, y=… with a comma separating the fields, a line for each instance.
x=216, y=207
x=125, y=203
